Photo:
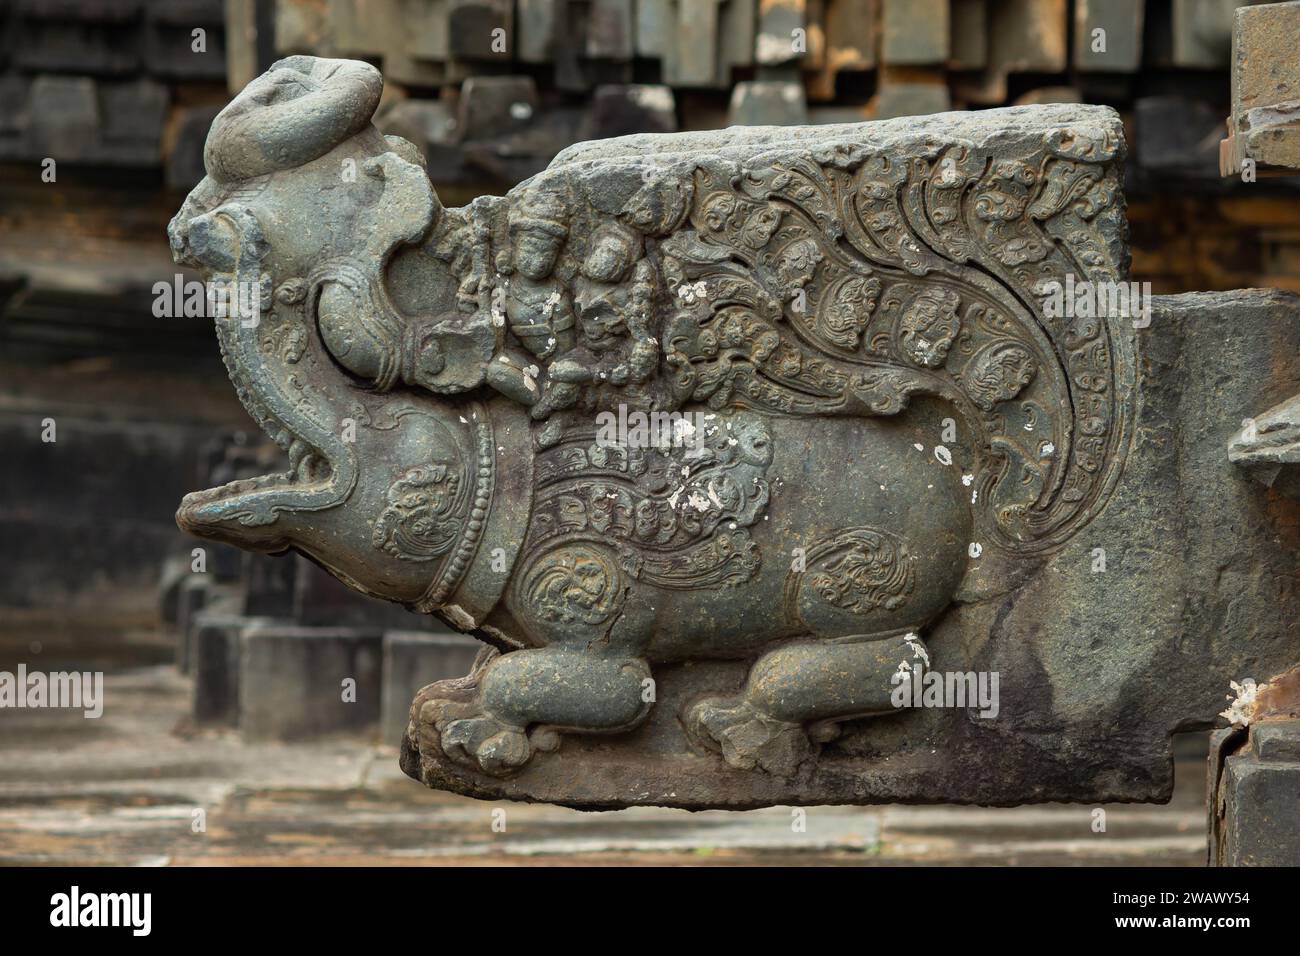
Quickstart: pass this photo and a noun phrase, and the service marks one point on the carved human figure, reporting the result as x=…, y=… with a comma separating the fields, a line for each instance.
x=612, y=296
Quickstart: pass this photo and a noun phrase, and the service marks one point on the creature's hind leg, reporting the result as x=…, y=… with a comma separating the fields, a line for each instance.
x=796, y=696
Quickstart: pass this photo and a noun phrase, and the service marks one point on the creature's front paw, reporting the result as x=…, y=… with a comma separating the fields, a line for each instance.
x=448, y=717
x=495, y=747
x=747, y=738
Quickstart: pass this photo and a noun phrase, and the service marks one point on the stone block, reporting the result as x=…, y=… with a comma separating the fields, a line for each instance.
x=1255, y=799
x=65, y=118
x=970, y=35
x=780, y=22
x=301, y=26
x=1265, y=123
x=432, y=126
x=267, y=583
x=205, y=602
x=292, y=681
x=413, y=659
x=193, y=593
x=215, y=665
x=610, y=26
x=1202, y=33
x=492, y=106
x=426, y=34
x=538, y=22
x=1028, y=36
x=184, y=166
x=767, y=103
x=320, y=599
x=170, y=47
x=632, y=108
x=133, y=116
x=1049, y=94
x=654, y=27
x=476, y=29
x=850, y=33
x=916, y=32
x=692, y=57
x=912, y=99
x=1117, y=48
x=737, y=27
x=1174, y=134
x=96, y=39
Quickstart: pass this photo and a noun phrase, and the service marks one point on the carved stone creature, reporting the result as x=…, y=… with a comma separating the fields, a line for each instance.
x=822, y=304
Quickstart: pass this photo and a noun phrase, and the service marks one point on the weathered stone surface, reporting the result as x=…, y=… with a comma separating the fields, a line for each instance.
x=779, y=23
x=1027, y=36
x=850, y=32
x=1202, y=31
x=216, y=650
x=970, y=34
x=1264, y=127
x=185, y=160
x=78, y=119
x=495, y=105
x=904, y=458
x=192, y=595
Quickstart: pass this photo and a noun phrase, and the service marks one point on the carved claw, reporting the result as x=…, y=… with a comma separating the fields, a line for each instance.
x=747, y=738
x=495, y=747
x=448, y=716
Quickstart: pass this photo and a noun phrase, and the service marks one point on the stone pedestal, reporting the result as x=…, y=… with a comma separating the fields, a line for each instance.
x=1254, y=796
x=292, y=681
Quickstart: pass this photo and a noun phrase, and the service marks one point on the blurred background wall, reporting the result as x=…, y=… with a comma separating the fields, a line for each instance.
x=119, y=94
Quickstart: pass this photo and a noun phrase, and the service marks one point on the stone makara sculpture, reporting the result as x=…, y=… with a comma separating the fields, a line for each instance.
x=702, y=434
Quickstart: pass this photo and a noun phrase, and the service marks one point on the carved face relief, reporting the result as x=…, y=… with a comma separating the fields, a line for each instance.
x=847, y=309
x=612, y=253
x=798, y=265
x=998, y=373
x=419, y=521
x=535, y=253
x=928, y=327
x=862, y=570
x=574, y=584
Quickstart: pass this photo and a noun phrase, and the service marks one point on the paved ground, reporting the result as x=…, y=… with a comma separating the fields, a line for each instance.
x=140, y=786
